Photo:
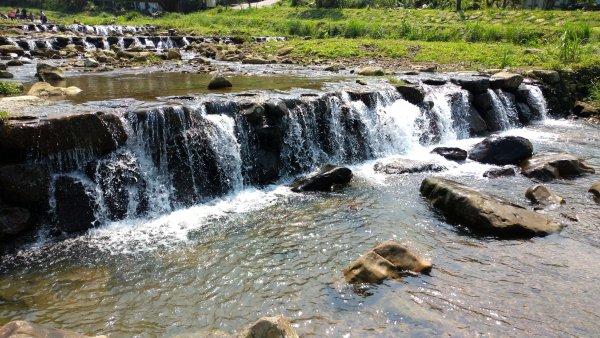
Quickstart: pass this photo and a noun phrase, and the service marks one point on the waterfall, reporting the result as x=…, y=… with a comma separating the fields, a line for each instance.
x=504, y=108
x=536, y=100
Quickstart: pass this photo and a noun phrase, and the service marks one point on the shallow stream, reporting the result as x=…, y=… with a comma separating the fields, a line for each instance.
x=216, y=267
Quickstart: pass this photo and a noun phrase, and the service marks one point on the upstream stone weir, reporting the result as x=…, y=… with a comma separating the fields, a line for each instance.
x=97, y=168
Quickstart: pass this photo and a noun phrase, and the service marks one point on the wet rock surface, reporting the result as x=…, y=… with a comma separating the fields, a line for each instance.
x=540, y=194
x=484, y=213
x=327, y=178
x=550, y=166
x=449, y=153
x=387, y=260
x=13, y=221
x=502, y=150
x=500, y=172
x=46, y=72
x=74, y=205
x=219, y=82
x=595, y=190
x=407, y=166
x=270, y=327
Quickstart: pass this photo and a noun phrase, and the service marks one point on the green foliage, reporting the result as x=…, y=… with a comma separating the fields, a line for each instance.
x=505, y=58
x=10, y=88
x=570, y=47
x=595, y=93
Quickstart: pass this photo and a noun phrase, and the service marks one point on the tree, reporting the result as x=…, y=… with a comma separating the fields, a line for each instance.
x=170, y=5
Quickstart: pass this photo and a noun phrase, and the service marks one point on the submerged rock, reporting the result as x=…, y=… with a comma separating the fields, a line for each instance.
x=74, y=205
x=546, y=167
x=540, y=194
x=219, y=82
x=13, y=221
x=449, y=153
x=595, y=189
x=502, y=150
x=386, y=260
x=501, y=172
x=406, y=166
x=327, y=178
x=46, y=72
x=23, y=329
x=270, y=327
x=370, y=71
x=46, y=89
x=485, y=213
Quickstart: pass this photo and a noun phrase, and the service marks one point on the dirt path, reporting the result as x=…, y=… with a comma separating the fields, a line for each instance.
x=265, y=3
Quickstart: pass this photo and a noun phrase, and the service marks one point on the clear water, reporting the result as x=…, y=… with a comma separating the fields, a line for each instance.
x=218, y=266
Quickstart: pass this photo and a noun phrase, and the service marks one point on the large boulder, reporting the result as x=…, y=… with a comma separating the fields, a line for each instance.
x=327, y=178
x=502, y=150
x=11, y=49
x=23, y=329
x=13, y=221
x=60, y=137
x=399, y=166
x=449, y=153
x=46, y=72
x=549, y=166
x=506, y=81
x=485, y=213
x=74, y=205
x=219, y=82
x=540, y=194
x=411, y=93
x=270, y=327
x=389, y=259
x=25, y=185
x=370, y=71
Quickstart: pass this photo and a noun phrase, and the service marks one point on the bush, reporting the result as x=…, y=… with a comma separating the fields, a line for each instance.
x=10, y=88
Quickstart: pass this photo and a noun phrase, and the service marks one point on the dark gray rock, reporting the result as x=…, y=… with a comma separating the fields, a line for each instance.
x=13, y=221
x=25, y=185
x=411, y=93
x=219, y=82
x=476, y=85
x=452, y=154
x=327, y=178
x=485, y=213
x=502, y=150
x=501, y=172
x=74, y=205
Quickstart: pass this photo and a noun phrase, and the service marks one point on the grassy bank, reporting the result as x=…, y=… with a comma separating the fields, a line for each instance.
x=470, y=40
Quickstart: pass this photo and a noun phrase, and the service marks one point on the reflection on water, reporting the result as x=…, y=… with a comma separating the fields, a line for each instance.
x=216, y=268
x=148, y=86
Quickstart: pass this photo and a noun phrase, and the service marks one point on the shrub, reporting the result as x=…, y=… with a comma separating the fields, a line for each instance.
x=10, y=88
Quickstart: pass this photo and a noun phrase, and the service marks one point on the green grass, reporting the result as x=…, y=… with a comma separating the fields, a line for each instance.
x=9, y=88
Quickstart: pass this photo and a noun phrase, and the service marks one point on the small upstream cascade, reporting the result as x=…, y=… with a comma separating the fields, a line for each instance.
x=177, y=156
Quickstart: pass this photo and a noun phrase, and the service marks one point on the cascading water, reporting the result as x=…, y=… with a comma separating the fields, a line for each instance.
x=507, y=116
x=536, y=101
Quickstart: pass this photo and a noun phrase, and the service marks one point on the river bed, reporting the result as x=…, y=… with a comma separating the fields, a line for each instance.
x=215, y=267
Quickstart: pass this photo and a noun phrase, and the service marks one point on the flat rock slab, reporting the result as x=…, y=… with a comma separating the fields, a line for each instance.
x=406, y=166
x=546, y=167
x=485, y=213
x=452, y=154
